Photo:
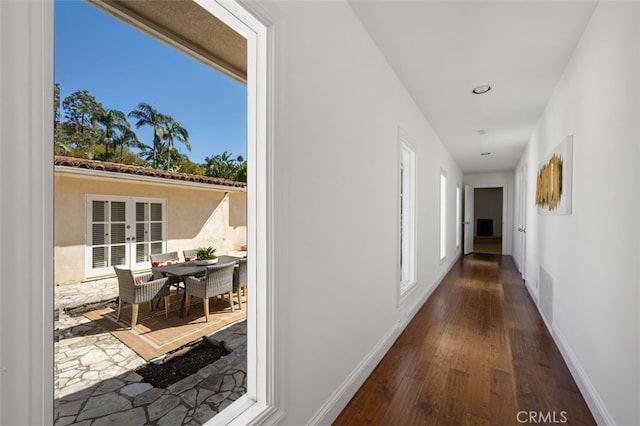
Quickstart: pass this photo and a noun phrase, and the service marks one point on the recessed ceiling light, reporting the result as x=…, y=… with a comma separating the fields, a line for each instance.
x=481, y=89
x=485, y=153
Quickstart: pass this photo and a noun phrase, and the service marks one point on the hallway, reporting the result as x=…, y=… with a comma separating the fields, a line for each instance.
x=477, y=353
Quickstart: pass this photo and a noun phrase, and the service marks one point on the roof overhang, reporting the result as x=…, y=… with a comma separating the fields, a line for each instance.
x=102, y=174
x=186, y=26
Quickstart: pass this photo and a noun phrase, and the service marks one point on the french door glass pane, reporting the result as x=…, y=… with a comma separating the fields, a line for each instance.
x=99, y=257
x=118, y=255
x=141, y=232
x=156, y=248
x=156, y=231
x=118, y=211
x=99, y=210
x=141, y=212
x=142, y=252
x=118, y=233
x=156, y=212
x=98, y=234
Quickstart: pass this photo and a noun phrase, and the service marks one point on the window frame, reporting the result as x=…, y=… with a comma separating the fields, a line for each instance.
x=458, y=216
x=407, y=204
x=28, y=101
x=443, y=215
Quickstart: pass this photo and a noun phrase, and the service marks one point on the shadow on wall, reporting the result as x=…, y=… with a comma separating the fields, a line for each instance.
x=191, y=211
x=208, y=215
x=238, y=209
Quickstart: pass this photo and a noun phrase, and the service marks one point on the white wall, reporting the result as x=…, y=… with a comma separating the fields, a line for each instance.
x=339, y=107
x=593, y=254
x=506, y=181
x=26, y=222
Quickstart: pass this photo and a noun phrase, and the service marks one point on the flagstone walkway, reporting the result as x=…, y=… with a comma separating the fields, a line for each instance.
x=95, y=382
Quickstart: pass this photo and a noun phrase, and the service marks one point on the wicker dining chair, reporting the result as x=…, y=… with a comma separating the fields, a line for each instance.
x=190, y=255
x=161, y=259
x=140, y=289
x=217, y=281
x=240, y=279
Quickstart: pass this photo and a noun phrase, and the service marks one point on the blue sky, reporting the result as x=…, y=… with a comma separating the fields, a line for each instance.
x=122, y=67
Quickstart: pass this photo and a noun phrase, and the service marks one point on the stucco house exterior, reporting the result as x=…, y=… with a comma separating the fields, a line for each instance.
x=114, y=214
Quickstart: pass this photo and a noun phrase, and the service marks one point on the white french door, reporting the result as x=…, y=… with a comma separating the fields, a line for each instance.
x=522, y=221
x=123, y=231
x=468, y=218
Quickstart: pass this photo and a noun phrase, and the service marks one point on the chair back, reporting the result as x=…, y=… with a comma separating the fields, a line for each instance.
x=125, y=276
x=161, y=259
x=126, y=282
x=240, y=275
x=190, y=255
x=219, y=278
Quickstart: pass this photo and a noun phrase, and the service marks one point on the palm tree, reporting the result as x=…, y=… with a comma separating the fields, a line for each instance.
x=127, y=139
x=174, y=131
x=114, y=124
x=149, y=116
x=223, y=166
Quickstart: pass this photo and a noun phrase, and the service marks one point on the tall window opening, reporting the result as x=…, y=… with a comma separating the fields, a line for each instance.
x=443, y=214
x=458, y=216
x=407, y=217
x=156, y=141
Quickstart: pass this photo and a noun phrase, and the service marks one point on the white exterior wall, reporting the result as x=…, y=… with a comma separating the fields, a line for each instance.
x=197, y=216
x=593, y=254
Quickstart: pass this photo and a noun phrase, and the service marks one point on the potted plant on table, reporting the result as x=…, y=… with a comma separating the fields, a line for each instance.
x=206, y=256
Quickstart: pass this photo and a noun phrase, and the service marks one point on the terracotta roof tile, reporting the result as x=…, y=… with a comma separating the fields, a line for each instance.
x=82, y=163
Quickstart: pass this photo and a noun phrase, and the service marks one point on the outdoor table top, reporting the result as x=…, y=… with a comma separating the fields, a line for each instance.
x=185, y=269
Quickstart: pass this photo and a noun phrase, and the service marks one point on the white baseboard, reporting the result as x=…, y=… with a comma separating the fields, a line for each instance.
x=589, y=393
x=330, y=410
x=341, y=397
x=593, y=400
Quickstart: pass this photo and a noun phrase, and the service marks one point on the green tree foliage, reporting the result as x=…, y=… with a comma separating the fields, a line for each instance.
x=188, y=166
x=146, y=115
x=173, y=131
x=56, y=104
x=226, y=167
x=113, y=128
x=81, y=110
x=166, y=130
x=89, y=130
x=60, y=146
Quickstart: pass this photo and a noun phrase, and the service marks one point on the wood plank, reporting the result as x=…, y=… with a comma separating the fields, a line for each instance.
x=476, y=353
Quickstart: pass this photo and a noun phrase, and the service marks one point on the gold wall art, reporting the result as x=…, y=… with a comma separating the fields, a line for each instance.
x=553, y=183
x=549, y=183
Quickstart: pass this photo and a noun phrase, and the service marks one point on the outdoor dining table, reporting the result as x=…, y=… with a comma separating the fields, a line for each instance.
x=183, y=270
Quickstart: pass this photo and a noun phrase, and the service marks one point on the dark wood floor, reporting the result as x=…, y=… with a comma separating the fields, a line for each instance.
x=477, y=353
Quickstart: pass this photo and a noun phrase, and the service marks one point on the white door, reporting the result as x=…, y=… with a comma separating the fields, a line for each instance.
x=149, y=236
x=468, y=219
x=522, y=221
x=123, y=231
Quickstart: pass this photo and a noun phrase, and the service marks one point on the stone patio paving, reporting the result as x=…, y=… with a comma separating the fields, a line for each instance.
x=95, y=383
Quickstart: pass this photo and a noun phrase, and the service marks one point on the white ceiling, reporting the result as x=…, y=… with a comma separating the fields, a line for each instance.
x=441, y=50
